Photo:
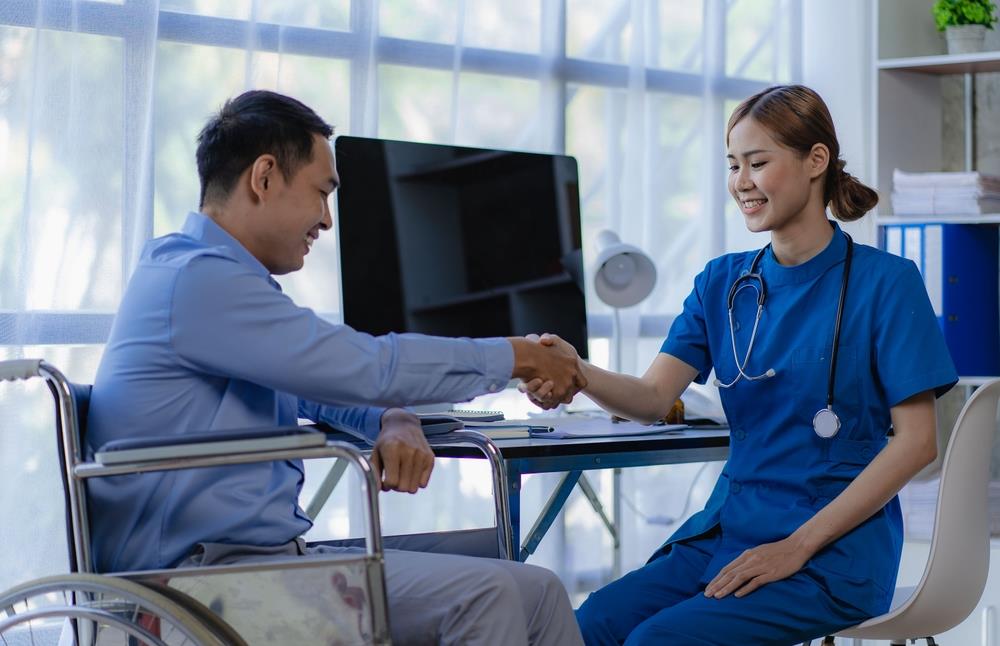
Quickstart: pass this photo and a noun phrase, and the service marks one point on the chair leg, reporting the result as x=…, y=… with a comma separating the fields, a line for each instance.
x=930, y=641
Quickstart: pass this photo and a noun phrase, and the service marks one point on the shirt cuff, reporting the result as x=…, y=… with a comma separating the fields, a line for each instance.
x=371, y=426
x=497, y=359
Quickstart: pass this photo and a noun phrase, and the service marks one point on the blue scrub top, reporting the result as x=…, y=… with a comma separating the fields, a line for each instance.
x=779, y=472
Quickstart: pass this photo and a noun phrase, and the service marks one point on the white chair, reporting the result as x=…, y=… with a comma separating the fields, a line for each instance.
x=956, y=570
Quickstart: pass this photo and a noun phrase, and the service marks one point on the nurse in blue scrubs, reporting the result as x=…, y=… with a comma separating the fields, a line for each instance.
x=802, y=535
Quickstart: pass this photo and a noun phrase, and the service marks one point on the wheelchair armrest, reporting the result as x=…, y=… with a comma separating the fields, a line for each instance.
x=327, y=449
x=228, y=442
x=454, y=444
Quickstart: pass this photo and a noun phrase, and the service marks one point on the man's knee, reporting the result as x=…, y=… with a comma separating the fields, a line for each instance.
x=495, y=585
x=541, y=583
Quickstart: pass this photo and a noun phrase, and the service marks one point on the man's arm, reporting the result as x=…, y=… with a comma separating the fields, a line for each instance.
x=558, y=365
x=401, y=457
x=228, y=321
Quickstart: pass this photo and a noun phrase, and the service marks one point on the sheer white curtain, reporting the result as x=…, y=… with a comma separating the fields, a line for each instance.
x=100, y=103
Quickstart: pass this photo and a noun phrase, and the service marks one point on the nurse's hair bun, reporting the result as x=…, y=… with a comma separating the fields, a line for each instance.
x=848, y=198
x=797, y=118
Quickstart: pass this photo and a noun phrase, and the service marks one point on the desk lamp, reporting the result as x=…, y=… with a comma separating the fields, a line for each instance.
x=623, y=277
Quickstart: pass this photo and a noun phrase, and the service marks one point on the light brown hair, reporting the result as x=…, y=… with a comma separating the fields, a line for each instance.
x=797, y=118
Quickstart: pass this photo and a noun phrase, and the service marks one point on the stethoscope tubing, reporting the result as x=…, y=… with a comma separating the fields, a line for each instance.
x=752, y=278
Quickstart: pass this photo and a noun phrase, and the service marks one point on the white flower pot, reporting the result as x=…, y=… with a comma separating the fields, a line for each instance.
x=965, y=39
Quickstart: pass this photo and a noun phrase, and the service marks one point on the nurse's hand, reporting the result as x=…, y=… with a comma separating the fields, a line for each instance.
x=755, y=567
x=401, y=457
x=539, y=391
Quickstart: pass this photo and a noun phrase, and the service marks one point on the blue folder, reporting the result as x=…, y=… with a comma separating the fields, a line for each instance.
x=960, y=264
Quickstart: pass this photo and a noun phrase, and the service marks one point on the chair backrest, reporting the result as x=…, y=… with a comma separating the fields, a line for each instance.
x=81, y=400
x=956, y=570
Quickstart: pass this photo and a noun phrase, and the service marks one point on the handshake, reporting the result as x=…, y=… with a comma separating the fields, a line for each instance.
x=550, y=369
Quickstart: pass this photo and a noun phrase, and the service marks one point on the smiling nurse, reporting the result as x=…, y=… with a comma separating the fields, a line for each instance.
x=819, y=345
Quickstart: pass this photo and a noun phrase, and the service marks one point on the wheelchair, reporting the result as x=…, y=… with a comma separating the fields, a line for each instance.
x=333, y=599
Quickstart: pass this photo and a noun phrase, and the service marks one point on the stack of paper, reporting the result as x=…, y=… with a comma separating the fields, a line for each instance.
x=918, y=501
x=944, y=193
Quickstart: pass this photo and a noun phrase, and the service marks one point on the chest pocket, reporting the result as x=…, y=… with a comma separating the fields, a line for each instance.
x=811, y=368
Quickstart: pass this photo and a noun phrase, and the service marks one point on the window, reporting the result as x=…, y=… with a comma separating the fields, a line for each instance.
x=101, y=101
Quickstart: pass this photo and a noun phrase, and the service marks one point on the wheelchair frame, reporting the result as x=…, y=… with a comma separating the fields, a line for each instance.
x=75, y=471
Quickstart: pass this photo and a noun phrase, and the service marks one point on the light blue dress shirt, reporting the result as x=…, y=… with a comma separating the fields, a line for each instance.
x=204, y=339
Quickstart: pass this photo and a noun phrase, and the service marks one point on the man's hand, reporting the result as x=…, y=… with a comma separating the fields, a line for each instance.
x=543, y=391
x=402, y=459
x=755, y=567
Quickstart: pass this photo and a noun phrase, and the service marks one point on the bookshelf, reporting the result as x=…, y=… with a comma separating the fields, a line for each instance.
x=922, y=123
x=909, y=108
x=914, y=88
x=986, y=218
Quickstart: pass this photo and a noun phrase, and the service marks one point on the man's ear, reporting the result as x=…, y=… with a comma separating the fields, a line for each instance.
x=818, y=159
x=262, y=174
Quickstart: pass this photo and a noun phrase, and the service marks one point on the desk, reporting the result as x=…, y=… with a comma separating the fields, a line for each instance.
x=571, y=457
x=574, y=456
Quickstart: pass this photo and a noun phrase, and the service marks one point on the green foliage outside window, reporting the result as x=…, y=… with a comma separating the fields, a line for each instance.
x=949, y=13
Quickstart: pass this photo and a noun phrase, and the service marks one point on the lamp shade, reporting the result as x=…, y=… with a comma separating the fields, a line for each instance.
x=624, y=275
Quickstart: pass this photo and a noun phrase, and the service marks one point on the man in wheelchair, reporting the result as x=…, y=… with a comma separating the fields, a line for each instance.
x=205, y=340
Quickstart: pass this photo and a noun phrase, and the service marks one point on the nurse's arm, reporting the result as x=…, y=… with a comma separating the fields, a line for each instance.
x=643, y=399
x=913, y=446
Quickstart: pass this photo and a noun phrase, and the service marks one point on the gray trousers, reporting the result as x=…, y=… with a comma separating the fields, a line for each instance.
x=445, y=598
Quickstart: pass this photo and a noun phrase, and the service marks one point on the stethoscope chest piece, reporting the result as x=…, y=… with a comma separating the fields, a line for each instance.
x=826, y=423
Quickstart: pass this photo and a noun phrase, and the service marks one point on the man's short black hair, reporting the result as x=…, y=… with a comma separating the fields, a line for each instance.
x=255, y=123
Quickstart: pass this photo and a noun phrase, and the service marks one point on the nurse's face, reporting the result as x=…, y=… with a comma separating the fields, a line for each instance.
x=770, y=183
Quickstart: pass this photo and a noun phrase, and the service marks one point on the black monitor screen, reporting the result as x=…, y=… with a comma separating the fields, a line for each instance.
x=456, y=241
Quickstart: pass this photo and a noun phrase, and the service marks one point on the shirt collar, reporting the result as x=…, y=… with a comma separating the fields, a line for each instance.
x=834, y=254
x=204, y=229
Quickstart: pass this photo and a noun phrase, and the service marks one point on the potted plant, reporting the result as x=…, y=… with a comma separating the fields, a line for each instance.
x=964, y=23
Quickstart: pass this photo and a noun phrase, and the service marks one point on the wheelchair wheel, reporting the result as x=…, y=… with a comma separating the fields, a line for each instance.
x=94, y=610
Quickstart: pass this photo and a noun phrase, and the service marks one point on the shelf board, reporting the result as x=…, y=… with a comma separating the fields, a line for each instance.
x=945, y=63
x=985, y=218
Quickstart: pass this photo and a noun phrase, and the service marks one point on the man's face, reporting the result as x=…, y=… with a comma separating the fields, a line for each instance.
x=295, y=211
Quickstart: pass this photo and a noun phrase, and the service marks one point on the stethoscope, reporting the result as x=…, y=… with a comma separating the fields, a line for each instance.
x=825, y=421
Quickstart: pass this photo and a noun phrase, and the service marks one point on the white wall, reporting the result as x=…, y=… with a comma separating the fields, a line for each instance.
x=837, y=62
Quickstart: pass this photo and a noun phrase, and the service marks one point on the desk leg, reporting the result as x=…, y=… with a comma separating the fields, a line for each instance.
x=514, y=504
x=616, y=513
x=549, y=513
x=598, y=508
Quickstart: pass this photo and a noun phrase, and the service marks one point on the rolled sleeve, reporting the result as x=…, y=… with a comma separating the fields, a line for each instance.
x=911, y=354
x=688, y=336
x=364, y=422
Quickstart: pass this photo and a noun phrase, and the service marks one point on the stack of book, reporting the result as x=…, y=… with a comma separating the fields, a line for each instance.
x=918, y=501
x=944, y=193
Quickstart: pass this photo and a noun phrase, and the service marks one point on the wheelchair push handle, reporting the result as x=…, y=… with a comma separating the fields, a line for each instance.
x=20, y=369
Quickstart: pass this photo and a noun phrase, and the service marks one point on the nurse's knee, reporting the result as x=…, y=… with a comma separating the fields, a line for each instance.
x=595, y=619
x=657, y=632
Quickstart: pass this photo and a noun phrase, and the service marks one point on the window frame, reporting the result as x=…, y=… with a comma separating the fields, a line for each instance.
x=130, y=20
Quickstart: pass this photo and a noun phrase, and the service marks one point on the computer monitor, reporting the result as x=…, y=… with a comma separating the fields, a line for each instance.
x=455, y=241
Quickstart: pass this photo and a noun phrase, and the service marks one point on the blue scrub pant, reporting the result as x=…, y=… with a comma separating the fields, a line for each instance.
x=663, y=603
